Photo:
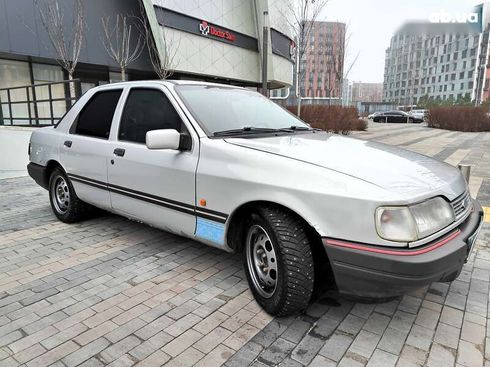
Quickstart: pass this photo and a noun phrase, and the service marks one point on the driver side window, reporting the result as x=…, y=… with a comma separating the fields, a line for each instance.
x=146, y=110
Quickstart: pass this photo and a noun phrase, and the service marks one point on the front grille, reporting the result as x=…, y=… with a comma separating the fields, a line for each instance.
x=461, y=205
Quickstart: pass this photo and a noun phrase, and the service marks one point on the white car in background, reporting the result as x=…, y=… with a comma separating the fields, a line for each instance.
x=418, y=115
x=227, y=167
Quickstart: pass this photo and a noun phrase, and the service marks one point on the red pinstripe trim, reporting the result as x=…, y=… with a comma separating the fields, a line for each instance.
x=394, y=252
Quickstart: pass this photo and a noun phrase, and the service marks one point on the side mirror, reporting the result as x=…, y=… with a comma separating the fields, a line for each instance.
x=167, y=139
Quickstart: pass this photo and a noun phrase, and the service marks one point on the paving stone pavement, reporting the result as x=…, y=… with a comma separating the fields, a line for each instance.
x=109, y=291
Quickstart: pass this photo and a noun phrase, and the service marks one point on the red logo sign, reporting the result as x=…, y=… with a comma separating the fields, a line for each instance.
x=207, y=29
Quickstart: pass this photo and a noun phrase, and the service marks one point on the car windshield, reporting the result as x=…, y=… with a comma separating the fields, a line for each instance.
x=221, y=109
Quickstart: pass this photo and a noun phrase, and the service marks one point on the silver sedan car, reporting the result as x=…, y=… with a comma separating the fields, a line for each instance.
x=229, y=168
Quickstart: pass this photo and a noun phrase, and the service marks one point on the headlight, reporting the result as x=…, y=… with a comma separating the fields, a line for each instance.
x=414, y=222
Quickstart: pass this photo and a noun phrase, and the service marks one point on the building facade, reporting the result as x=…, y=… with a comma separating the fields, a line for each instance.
x=366, y=92
x=322, y=65
x=222, y=41
x=211, y=41
x=445, y=60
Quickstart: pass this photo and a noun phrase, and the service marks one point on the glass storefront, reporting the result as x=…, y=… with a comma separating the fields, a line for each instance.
x=43, y=73
x=18, y=73
x=51, y=99
x=14, y=74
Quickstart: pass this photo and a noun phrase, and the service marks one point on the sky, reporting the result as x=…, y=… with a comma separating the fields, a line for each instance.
x=371, y=24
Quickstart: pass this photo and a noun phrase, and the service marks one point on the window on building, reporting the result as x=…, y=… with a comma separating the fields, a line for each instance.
x=95, y=119
x=146, y=110
x=44, y=73
x=14, y=74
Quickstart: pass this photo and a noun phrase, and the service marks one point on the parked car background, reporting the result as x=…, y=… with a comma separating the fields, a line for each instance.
x=395, y=116
x=418, y=115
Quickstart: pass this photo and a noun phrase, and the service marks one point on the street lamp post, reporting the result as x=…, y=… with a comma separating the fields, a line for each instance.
x=265, y=51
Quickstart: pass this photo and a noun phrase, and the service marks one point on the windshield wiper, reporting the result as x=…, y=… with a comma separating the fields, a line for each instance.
x=251, y=130
x=299, y=128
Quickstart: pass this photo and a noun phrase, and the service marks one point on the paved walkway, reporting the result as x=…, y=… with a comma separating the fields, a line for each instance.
x=109, y=291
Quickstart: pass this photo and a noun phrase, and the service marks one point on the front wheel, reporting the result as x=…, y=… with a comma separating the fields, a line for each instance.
x=278, y=261
x=65, y=204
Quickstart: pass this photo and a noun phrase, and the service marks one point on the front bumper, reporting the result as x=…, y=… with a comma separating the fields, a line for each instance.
x=378, y=272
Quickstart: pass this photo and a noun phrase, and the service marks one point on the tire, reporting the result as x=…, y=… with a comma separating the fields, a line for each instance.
x=279, y=242
x=64, y=202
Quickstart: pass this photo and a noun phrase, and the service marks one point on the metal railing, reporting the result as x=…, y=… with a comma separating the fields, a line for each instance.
x=38, y=104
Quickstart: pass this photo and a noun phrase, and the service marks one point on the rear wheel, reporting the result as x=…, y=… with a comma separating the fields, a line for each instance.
x=65, y=204
x=278, y=261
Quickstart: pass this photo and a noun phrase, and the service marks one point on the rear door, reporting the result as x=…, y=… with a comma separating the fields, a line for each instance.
x=155, y=186
x=85, y=149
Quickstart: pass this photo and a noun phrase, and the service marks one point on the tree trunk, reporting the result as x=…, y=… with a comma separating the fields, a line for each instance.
x=123, y=74
x=298, y=107
x=72, y=86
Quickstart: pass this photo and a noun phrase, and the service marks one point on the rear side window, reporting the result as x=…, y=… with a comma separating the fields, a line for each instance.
x=146, y=110
x=96, y=116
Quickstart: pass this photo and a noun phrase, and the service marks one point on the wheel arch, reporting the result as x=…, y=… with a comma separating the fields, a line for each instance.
x=236, y=223
x=50, y=166
x=235, y=232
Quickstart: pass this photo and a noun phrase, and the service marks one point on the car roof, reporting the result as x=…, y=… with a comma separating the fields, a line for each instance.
x=167, y=81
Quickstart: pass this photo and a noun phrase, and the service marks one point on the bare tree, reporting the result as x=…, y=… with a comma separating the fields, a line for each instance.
x=119, y=39
x=66, y=44
x=301, y=17
x=161, y=49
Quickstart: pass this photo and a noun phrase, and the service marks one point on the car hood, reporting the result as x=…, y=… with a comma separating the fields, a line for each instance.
x=396, y=170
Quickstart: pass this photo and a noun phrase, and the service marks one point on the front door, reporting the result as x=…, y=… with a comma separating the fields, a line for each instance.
x=155, y=186
x=84, y=151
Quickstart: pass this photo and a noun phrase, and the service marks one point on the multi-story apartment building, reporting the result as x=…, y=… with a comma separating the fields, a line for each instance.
x=367, y=92
x=321, y=67
x=437, y=61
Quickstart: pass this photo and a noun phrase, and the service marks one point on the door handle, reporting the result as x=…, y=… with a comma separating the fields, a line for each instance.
x=67, y=143
x=119, y=152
